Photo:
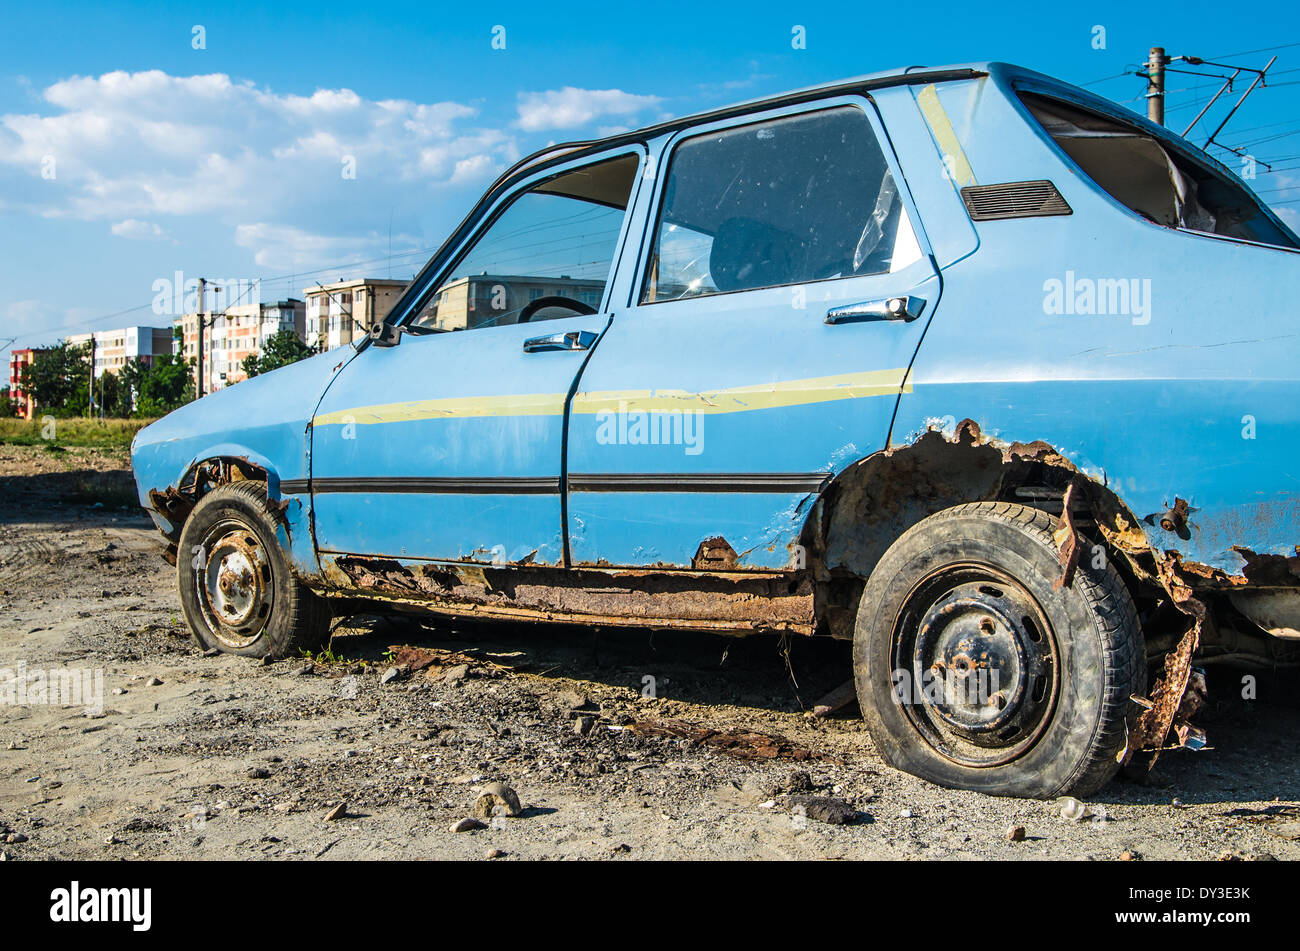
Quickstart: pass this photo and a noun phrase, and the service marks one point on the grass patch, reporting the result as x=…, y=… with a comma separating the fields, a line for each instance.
x=74, y=431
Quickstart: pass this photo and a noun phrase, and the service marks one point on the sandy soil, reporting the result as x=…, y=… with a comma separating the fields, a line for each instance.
x=196, y=756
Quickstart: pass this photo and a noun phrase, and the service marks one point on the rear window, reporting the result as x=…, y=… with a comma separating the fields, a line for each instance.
x=1151, y=179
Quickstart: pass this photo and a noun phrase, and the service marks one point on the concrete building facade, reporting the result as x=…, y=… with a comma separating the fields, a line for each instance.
x=17, y=360
x=340, y=313
x=114, y=349
x=234, y=335
x=494, y=299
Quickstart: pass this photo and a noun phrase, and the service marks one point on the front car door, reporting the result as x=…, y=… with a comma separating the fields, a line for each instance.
x=782, y=289
x=448, y=446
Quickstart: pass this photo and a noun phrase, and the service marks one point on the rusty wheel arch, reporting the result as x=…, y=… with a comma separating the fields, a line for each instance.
x=1185, y=605
x=873, y=502
x=175, y=503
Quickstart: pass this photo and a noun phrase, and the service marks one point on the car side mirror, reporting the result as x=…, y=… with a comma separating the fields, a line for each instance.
x=384, y=334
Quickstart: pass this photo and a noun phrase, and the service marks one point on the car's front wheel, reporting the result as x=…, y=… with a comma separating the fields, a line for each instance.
x=236, y=587
x=975, y=671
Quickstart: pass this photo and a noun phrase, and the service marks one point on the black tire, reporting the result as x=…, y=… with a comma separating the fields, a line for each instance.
x=969, y=591
x=236, y=587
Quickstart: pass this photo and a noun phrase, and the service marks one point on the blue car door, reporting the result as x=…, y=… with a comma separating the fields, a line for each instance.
x=448, y=445
x=763, y=336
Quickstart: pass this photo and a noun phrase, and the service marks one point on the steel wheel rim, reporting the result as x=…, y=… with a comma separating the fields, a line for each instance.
x=234, y=582
x=980, y=663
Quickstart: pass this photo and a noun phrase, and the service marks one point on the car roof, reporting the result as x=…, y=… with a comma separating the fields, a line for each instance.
x=911, y=75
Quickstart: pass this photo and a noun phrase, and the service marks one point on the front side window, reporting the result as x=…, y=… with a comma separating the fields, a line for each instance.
x=801, y=198
x=1152, y=179
x=547, y=255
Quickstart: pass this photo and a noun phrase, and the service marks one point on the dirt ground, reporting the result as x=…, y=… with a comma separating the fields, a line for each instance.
x=196, y=756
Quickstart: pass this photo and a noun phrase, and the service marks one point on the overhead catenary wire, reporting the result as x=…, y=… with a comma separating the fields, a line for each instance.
x=286, y=280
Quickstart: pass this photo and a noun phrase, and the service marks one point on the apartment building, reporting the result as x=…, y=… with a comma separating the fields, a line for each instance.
x=233, y=335
x=114, y=349
x=341, y=312
x=17, y=360
x=479, y=299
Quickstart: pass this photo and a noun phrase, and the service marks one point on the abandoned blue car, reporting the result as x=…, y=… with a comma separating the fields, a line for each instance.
x=969, y=366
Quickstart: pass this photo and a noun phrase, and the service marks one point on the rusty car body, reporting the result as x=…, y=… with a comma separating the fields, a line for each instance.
x=748, y=370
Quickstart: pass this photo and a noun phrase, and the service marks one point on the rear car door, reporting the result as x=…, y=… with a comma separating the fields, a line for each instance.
x=448, y=446
x=781, y=290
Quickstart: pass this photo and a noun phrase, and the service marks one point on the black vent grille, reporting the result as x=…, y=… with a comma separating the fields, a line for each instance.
x=1014, y=200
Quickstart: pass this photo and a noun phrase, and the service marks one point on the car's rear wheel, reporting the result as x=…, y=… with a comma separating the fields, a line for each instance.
x=236, y=587
x=975, y=671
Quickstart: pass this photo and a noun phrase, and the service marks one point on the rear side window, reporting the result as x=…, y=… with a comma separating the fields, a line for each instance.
x=801, y=198
x=1152, y=179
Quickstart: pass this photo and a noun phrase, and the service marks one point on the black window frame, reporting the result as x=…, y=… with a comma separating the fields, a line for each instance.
x=507, y=195
x=654, y=220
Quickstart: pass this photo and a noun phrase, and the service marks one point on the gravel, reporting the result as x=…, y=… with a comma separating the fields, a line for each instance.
x=357, y=766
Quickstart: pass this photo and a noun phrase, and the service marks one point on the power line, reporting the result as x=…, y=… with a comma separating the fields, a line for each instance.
x=280, y=279
x=1267, y=49
x=1106, y=79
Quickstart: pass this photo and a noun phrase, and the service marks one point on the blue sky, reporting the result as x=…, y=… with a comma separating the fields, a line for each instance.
x=229, y=162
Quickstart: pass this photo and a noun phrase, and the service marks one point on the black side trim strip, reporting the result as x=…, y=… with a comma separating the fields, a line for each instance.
x=699, y=482
x=578, y=482
x=494, y=485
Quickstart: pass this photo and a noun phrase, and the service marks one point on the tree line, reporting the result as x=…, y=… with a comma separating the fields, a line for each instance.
x=59, y=380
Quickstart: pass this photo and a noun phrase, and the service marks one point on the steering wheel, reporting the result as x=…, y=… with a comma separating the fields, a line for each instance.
x=554, y=300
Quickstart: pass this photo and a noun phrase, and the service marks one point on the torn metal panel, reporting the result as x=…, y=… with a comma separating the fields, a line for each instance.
x=175, y=502
x=1167, y=696
x=1066, y=537
x=1155, y=722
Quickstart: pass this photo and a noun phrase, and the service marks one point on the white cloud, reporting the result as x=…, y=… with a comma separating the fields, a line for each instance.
x=138, y=230
x=147, y=144
x=287, y=248
x=569, y=108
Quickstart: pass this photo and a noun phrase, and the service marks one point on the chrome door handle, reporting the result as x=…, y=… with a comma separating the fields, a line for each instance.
x=887, y=308
x=572, y=340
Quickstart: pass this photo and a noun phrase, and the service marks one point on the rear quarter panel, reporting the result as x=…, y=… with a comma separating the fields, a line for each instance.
x=1189, y=391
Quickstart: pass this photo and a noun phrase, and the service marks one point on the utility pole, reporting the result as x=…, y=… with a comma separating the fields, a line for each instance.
x=90, y=393
x=1156, y=63
x=212, y=337
x=198, y=371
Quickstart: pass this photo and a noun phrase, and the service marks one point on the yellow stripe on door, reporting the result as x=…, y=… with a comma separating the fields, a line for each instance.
x=736, y=399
